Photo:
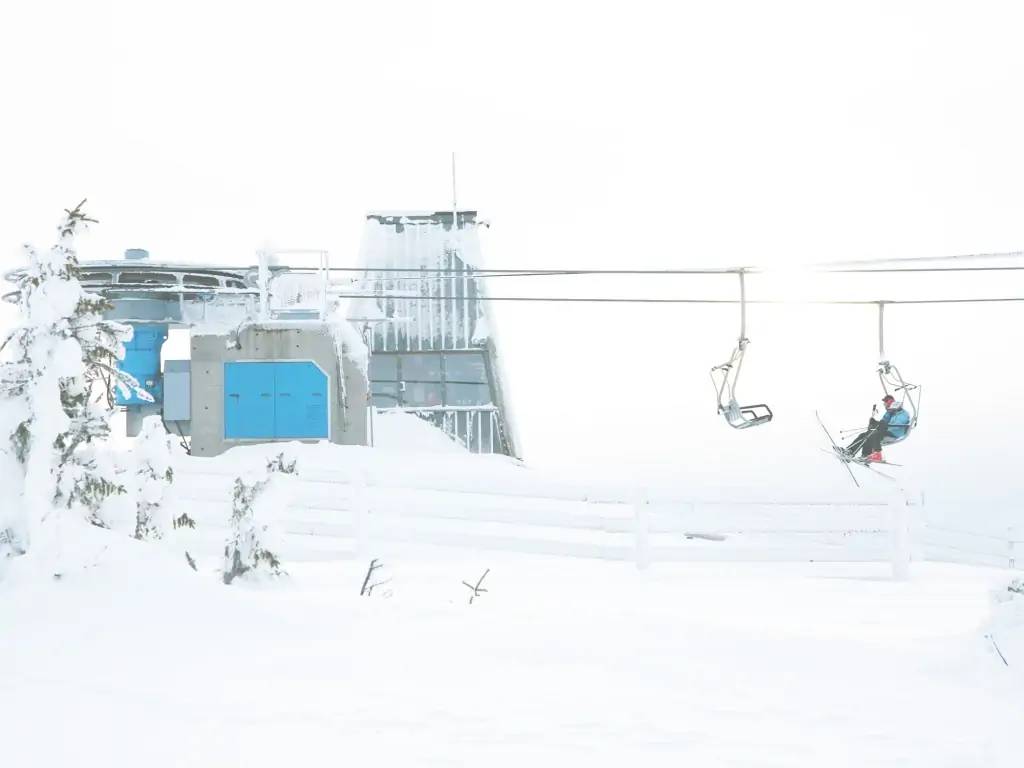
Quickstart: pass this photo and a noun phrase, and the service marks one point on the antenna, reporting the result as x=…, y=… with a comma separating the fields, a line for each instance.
x=455, y=207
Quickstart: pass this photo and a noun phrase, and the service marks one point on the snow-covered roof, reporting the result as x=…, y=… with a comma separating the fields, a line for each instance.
x=144, y=265
x=421, y=217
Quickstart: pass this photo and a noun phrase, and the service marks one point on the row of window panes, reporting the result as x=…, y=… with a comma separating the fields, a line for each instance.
x=160, y=278
x=425, y=379
x=389, y=394
x=463, y=367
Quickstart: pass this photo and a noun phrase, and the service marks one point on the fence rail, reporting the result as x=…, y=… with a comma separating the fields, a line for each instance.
x=332, y=516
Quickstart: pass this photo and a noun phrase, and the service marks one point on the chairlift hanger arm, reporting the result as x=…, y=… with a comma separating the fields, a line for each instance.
x=882, y=330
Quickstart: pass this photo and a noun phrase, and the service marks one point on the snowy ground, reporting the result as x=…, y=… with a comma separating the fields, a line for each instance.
x=131, y=659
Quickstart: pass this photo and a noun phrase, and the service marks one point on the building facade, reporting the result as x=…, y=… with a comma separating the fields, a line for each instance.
x=428, y=327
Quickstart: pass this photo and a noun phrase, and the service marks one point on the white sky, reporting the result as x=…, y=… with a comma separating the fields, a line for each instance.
x=590, y=135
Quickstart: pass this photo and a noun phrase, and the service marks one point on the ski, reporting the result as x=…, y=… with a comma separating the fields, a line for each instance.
x=840, y=454
x=836, y=450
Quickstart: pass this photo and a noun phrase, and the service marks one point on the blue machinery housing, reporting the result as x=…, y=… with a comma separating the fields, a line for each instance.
x=142, y=360
x=275, y=400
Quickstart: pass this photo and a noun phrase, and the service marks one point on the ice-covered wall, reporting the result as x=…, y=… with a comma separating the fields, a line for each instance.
x=423, y=275
x=425, y=269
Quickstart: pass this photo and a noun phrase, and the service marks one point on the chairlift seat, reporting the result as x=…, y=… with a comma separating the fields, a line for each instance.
x=907, y=428
x=743, y=416
x=890, y=440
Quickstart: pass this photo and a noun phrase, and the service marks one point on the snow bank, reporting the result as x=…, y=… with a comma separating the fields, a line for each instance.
x=398, y=431
x=1006, y=630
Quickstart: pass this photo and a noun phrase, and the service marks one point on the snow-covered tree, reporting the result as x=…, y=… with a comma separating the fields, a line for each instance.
x=246, y=549
x=153, y=476
x=59, y=376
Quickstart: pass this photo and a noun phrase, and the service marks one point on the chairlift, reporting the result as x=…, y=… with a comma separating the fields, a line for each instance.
x=907, y=395
x=725, y=377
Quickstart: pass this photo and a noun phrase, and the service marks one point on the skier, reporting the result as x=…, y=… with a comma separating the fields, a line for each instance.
x=894, y=424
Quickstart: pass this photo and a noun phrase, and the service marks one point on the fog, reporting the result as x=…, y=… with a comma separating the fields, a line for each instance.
x=631, y=135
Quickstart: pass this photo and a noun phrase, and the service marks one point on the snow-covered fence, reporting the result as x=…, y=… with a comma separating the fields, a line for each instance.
x=957, y=545
x=341, y=514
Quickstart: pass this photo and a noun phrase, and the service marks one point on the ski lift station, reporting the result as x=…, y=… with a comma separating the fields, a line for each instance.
x=295, y=348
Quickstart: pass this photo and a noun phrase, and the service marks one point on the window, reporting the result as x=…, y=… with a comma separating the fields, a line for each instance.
x=468, y=367
x=383, y=368
x=419, y=381
x=467, y=394
x=385, y=394
x=147, y=278
x=235, y=284
x=426, y=367
x=422, y=394
x=201, y=281
x=97, y=277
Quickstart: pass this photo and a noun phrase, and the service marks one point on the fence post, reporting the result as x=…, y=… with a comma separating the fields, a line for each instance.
x=1011, y=554
x=642, y=529
x=899, y=537
x=360, y=512
x=918, y=521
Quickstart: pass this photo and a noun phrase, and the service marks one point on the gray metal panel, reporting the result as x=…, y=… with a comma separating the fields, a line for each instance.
x=177, y=390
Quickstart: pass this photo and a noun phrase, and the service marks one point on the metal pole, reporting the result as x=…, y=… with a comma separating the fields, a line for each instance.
x=881, y=330
x=743, y=308
x=742, y=345
x=455, y=208
x=325, y=267
x=367, y=340
x=264, y=284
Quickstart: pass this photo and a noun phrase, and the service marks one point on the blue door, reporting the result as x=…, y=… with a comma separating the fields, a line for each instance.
x=249, y=400
x=275, y=400
x=301, y=410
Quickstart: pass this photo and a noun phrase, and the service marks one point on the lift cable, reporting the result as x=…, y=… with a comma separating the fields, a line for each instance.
x=910, y=259
x=473, y=272
x=646, y=300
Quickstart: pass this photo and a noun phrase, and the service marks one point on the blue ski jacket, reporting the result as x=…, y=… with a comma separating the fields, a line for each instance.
x=897, y=421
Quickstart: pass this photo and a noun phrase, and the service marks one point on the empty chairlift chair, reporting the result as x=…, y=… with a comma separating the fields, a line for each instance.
x=726, y=376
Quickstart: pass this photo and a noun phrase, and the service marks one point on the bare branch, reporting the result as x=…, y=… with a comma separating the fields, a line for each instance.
x=477, y=589
x=366, y=588
x=369, y=590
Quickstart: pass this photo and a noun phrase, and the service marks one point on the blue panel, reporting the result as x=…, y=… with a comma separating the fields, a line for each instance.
x=301, y=401
x=249, y=400
x=142, y=360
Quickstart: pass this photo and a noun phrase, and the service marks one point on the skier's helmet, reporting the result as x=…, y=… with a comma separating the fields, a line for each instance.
x=888, y=400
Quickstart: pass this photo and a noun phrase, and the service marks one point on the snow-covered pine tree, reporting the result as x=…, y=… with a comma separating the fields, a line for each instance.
x=153, y=475
x=60, y=375
x=246, y=551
